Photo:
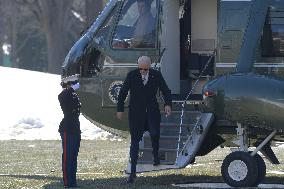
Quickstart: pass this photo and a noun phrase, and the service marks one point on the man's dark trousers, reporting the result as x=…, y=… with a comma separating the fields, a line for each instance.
x=136, y=137
x=70, y=146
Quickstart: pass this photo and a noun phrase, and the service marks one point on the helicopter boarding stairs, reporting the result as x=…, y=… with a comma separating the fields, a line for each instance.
x=182, y=134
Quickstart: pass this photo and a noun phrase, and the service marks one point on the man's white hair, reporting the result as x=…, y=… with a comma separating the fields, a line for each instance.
x=144, y=59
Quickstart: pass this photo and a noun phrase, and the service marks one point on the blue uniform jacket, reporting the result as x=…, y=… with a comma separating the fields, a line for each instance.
x=70, y=105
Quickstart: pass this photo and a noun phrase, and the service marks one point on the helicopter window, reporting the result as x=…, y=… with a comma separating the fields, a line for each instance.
x=136, y=27
x=101, y=36
x=273, y=35
x=273, y=40
x=92, y=63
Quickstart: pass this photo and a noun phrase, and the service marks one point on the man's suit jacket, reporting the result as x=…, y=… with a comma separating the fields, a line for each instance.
x=143, y=102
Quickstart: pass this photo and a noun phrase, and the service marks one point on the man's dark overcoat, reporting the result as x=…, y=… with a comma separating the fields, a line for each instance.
x=143, y=103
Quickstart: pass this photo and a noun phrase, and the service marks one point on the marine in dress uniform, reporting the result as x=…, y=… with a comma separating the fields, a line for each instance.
x=69, y=129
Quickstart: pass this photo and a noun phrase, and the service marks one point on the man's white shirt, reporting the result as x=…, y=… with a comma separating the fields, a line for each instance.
x=145, y=78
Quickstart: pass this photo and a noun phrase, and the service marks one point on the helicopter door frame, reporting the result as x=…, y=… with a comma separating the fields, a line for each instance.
x=170, y=41
x=119, y=61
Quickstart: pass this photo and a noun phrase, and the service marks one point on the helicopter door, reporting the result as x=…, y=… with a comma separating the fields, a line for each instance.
x=134, y=33
x=203, y=38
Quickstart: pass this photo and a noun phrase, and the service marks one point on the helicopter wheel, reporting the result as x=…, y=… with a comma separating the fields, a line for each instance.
x=261, y=169
x=240, y=169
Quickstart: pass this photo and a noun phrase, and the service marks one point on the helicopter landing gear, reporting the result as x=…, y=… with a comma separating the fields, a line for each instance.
x=239, y=169
x=261, y=169
x=244, y=168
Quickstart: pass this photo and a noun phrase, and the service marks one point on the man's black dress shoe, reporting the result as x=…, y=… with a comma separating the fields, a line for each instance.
x=72, y=186
x=131, y=178
x=156, y=162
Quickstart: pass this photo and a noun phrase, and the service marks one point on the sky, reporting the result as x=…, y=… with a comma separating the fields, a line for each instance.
x=29, y=108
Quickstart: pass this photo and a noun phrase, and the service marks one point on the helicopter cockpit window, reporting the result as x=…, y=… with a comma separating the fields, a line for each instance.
x=102, y=34
x=92, y=62
x=136, y=27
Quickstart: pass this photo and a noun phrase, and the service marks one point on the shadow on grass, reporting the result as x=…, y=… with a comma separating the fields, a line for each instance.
x=164, y=181
x=30, y=176
x=152, y=182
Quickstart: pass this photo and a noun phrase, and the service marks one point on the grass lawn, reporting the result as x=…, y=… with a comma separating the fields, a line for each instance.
x=101, y=164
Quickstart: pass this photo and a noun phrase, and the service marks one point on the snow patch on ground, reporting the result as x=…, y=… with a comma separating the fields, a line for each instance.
x=30, y=109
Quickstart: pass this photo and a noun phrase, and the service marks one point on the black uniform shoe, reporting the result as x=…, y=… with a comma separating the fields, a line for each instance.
x=156, y=162
x=72, y=186
x=131, y=178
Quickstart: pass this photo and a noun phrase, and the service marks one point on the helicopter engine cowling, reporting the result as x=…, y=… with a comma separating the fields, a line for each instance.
x=247, y=98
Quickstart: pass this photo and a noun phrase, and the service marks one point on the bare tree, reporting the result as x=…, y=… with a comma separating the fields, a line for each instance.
x=2, y=33
x=12, y=23
x=93, y=9
x=59, y=20
x=8, y=31
x=53, y=16
x=56, y=19
x=17, y=28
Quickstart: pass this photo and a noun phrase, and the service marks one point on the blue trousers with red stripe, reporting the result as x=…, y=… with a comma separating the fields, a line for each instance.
x=70, y=146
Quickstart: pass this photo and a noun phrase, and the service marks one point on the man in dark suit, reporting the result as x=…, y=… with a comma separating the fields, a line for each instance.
x=144, y=113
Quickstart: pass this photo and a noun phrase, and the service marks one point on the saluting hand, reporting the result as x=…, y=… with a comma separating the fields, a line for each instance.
x=119, y=115
x=168, y=110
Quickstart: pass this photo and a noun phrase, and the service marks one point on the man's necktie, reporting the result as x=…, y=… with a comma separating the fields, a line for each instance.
x=144, y=79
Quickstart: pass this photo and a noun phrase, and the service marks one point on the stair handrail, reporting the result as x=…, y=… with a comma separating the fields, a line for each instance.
x=184, y=101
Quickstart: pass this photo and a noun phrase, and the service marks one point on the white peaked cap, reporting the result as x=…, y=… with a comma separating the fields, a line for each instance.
x=70, y=78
